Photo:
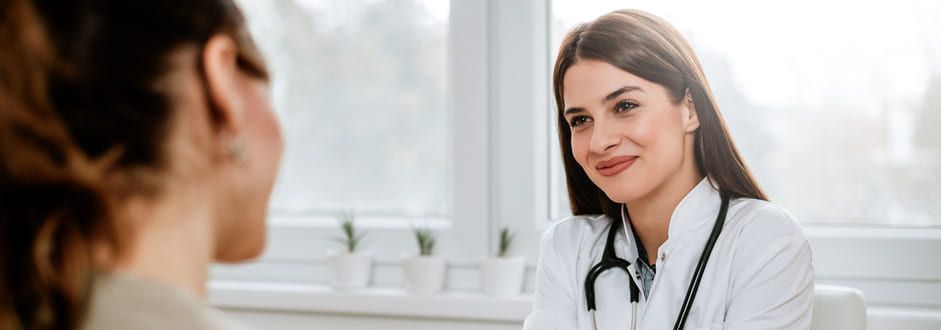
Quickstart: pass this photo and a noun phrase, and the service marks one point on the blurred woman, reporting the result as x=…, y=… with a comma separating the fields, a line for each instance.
x=137, y=146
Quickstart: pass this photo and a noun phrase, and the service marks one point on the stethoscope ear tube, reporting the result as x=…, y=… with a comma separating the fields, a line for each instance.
x=701, y=266
x=609, y=259
x=589, y=286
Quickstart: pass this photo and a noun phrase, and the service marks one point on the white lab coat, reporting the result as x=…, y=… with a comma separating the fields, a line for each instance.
x=760, y=274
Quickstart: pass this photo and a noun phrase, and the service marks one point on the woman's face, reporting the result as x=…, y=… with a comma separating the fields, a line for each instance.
x=628, y=134
x=242, y=233
x=229, y=151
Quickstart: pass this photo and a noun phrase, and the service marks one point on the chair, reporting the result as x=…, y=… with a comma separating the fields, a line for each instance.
x=838, y=308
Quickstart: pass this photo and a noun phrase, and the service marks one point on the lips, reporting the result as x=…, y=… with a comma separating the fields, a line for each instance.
x=615, y=165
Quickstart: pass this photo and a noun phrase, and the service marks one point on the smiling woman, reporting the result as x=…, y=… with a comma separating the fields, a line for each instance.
x=646, y=116
x=651, y=167
x=594, y=69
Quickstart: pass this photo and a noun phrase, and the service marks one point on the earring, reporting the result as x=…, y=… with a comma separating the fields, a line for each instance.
x=237, y=149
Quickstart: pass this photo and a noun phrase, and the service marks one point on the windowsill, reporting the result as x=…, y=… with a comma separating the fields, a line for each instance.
x=891, y=291
x=389, y=302
x=323, y=299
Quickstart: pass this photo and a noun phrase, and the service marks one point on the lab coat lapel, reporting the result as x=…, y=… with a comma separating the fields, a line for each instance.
x=690, y=225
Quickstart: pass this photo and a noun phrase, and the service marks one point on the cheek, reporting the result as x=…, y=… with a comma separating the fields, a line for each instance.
x=264, y=153
x=643, y=131
x=264, y=144
x=580, y=144
x=662, y=138
x=264, y=124
x=270, y=131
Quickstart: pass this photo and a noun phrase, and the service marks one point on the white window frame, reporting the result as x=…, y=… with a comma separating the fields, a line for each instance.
x=298, y=244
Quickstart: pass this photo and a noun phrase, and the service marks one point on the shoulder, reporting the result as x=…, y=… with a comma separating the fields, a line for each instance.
x=762, y=219
x=573, y=227
x=122, y=301
x=566, y=236
x=762, y=230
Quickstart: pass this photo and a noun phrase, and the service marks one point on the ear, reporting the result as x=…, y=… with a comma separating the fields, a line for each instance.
x=691, y=117
x=220, y=69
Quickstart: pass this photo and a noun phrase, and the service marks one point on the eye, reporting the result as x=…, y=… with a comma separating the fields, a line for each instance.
x=578, y=121
x=623, y=106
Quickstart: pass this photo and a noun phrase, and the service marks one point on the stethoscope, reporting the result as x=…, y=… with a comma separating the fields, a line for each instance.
x=610, y=260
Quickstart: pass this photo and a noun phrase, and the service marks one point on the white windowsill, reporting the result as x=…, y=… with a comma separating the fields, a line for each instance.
x=321, y=299
x=902, y=292
x=371, y=301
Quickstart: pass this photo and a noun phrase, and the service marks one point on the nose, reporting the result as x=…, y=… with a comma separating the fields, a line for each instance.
x=603, y=137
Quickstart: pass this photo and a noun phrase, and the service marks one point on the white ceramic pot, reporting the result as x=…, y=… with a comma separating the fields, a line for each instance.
x=350, y=270
x=503, y=276
x=424, y=274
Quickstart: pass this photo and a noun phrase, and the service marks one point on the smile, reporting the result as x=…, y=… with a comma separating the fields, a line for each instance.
x=615, y=165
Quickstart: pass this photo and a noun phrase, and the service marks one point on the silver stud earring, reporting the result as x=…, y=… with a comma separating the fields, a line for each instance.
x=237, y=149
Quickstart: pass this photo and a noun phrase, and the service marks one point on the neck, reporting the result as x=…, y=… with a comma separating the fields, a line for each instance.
x=650, y=215
x=171, y=242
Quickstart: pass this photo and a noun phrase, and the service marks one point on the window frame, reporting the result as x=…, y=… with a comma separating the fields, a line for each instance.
x=298, y=243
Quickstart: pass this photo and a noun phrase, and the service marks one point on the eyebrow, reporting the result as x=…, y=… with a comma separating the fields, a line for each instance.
x=619, y=91
x=607, y=98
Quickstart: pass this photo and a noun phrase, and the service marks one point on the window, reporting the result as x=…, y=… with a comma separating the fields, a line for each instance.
x=360, y=89
x=383, y=111
x=833, y=104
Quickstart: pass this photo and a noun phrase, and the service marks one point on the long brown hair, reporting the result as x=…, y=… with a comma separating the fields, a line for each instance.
x=77, y=84
x=650, y=48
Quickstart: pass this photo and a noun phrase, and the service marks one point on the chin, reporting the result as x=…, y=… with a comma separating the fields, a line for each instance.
x=621, y=189
x=620, y=195
x=245, y=242
x=241, y=250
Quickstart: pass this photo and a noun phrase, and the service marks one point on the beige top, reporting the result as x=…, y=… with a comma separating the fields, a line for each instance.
x=124, y=301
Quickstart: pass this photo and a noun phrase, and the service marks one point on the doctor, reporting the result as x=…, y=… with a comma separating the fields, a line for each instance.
x=671, y=230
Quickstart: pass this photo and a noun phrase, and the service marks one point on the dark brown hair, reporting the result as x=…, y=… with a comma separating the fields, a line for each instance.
x=650, y=48
x=77, y=84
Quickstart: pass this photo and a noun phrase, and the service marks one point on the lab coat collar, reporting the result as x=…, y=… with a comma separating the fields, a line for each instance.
x=626, y=245
x=697, y=209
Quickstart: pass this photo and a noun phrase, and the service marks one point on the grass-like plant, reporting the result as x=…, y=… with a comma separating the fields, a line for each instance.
x=351, y=238
x=506, y=240
x=426, y=241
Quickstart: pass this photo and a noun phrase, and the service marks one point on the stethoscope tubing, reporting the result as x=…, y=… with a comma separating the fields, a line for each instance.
x=609, y=259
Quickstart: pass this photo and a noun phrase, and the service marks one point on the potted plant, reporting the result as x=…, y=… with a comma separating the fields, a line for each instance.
x=425, y=272
x=351, y=268
x=503, y=274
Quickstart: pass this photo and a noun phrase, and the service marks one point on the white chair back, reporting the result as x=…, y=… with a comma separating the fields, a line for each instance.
x=838, y=308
